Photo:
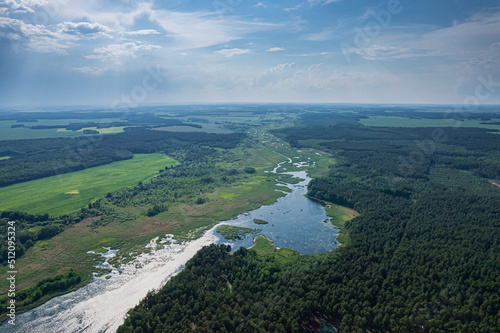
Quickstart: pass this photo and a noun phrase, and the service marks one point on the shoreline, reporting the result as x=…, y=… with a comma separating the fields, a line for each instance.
x=126, y=294
x=176, y=254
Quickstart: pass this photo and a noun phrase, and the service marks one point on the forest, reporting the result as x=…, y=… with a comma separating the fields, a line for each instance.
x=424, y=254
x=38, y=158
x=198, y=164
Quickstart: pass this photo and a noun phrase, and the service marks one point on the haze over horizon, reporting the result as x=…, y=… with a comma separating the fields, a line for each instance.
x=124, y=53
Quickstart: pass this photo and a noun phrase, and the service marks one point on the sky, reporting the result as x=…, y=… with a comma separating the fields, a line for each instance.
x=131, y=52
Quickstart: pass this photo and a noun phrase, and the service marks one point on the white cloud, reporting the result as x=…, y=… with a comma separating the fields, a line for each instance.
x=275, y=74
x=84, y=29
x=12, y=7
x=90, y=70
x=260, y=4
x=321, y=2
x=228, y=53
x=53, y=39
x=291, y=79
x=275, y=49
x=320, y=36
x=142, y=32
x=204, y=29
x=187, y=30
x=37, y=38
x=296, y=7
x=459, y=42
x=316, y=54
x=475, y=35
x=116, y=51
x=377, y=52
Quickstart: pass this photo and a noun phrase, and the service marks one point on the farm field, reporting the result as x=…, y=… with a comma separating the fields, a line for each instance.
x=67, y=193
x=109, y=130
x=9, y=133
x=184, y=220
x=207, y=128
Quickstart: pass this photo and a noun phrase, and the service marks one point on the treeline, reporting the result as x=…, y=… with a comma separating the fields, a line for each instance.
x=75, y=126
x=424, y=255
x=425, y=251
x=33, y=159
x=42, y=227
x=183, y=183
x=218, y=292
x=26, y=298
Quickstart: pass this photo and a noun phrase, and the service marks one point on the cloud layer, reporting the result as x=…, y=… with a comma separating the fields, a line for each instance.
x=306, y=50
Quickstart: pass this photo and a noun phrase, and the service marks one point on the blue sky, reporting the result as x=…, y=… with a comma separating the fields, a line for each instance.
x=103, y=52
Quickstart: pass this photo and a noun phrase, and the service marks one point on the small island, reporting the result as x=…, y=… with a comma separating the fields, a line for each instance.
x=258, y=221
x=231, y=232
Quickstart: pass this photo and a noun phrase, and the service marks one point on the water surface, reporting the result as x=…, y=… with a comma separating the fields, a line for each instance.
x=101, y=306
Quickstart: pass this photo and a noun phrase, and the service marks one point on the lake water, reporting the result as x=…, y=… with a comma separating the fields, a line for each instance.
x=294, y=222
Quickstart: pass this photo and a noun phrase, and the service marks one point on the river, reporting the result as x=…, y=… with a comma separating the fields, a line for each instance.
x=295, y=222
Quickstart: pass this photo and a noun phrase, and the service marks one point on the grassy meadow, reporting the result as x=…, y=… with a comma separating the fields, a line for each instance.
x=185, y=220
x=9, y=133
x=67, y=193
x=108, y=130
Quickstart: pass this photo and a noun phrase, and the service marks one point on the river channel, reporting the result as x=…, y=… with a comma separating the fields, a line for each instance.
x=294, y=221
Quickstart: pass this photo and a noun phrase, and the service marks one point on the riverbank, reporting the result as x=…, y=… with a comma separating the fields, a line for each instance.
x=185, y=222
x=338, y=216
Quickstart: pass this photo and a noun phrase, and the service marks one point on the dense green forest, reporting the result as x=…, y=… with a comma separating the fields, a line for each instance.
x=38, y=158
x=424, y=255
x=184, y=183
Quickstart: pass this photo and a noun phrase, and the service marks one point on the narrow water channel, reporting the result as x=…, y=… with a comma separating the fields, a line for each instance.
x=294, y=221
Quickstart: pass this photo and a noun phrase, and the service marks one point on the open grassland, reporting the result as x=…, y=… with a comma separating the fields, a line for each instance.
x=264, y=247
x=67, y=193
x=207, y=128
x=8, y=133
x=339, y=216
x=410, y=122
x=68, y=250
x=108, y=130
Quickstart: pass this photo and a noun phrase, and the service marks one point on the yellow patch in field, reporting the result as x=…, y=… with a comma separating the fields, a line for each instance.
x=73, y=192
x=228, y=196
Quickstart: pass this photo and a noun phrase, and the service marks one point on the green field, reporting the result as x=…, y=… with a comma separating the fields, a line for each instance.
x=8, y=133
x=265, y=248
x=108, y=130
x=207, y=128
x=410, y=122
x=339, y=216
x=67, y=193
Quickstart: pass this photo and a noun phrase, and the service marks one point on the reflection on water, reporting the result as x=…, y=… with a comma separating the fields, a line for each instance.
x=294, y=222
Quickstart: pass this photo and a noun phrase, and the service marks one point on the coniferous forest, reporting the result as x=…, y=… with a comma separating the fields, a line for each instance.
x=423, y=256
